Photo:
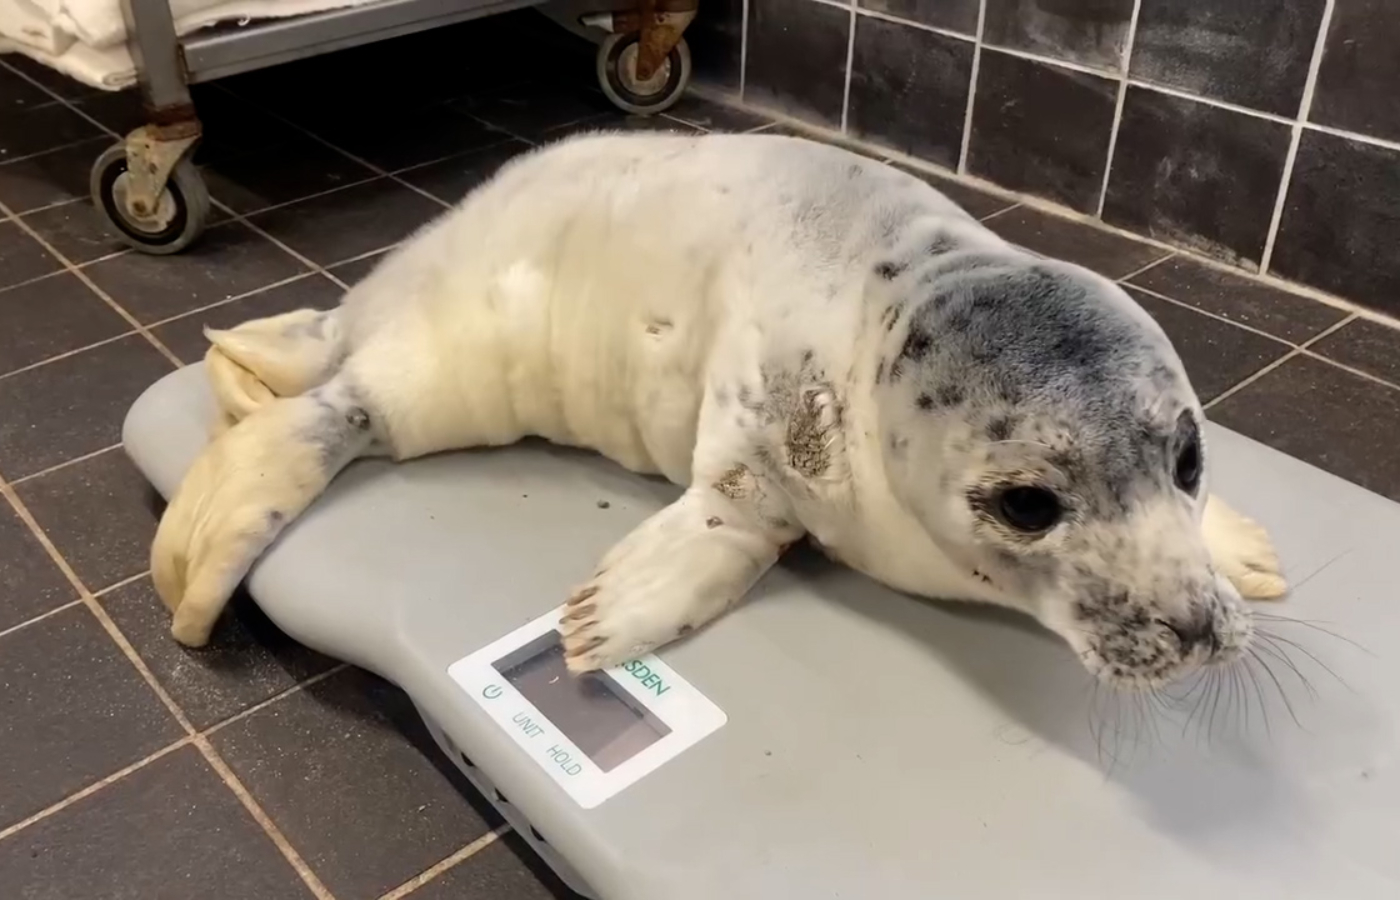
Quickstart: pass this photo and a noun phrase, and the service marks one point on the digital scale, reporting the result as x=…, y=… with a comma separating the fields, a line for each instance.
x=831, y=738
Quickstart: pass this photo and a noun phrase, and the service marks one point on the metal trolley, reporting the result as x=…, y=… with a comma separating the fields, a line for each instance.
x=147, y=185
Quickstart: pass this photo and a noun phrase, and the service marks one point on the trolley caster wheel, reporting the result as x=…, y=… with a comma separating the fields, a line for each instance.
x=617, y=75
x=180, y=214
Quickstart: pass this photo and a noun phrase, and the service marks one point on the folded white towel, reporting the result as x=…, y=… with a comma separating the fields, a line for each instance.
x=86, y=39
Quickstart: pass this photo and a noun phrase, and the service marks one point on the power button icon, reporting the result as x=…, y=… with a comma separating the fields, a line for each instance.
x=491, y=691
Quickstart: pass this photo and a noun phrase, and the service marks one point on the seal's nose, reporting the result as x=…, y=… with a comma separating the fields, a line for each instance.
x=1195, y=630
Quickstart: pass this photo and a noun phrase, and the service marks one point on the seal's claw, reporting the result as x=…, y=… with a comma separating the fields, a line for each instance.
x=1242, y=552
x=671, y=575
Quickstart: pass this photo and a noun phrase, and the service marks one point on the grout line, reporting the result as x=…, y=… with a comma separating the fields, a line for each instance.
x=157, y=324
x=921, y=26
x=1296, y=351
x=1125, y=62
x=1072, y=66
x=27, y=282
x=93, y=788
x=1362, y=373
x=1210, y=101
x=850, y=64
x=118, y=585
x=1292, y=345
x=92, y=286
x=64, y=355
x=354, y=158
x=1152, y=265
x=286, y=248
x=36, y=620
x=54, y=149
x=447, y=864
x=961, y=168
x=1001, y=212
x=1353, y=136
x=308, y=877
x=67, y=462
x=1304, y=110
x=743, y=50
x=281, y=695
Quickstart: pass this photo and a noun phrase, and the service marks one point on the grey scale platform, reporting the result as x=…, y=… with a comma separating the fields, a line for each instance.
x=877, y=746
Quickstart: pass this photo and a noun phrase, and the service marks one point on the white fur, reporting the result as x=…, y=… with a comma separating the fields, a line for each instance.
x=607, y=293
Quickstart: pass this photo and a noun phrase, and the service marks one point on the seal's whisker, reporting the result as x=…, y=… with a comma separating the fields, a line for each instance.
x=1276, y=652
x=1315, y=626
x=1283, y=694
x=1258, y=694
x=1278, y=639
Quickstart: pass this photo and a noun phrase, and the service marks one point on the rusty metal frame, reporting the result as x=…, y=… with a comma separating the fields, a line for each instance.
x=659, y=25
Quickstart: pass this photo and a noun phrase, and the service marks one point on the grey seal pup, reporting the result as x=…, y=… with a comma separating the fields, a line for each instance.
x=812, y=343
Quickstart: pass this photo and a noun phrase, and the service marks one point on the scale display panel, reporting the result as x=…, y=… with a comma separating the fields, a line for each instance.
x=593, y=734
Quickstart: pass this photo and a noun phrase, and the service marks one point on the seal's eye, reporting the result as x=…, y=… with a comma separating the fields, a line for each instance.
x=1029, y=509
x=1188, y=466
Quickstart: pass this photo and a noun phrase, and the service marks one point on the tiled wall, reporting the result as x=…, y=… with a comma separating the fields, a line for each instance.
x=1264, y=133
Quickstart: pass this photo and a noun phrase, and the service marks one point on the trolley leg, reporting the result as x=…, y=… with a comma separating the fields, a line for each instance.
x=147, y=186
x=173, y=128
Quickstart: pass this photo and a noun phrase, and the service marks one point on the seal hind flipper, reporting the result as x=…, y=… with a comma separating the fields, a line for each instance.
x=246, y=486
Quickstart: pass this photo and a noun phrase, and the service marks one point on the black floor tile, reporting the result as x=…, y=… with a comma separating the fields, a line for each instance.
x=1108, y=254
x=979, y=203
x=30, y=583
x=355, y=270
x=896, y=68
x=34, y=129
x=99, y=513
x=49, y=178
x=74, y=710
x=1196, y=45
x=250, y=182
x=1217, y=355
x=75, y=230
x=1195, y=175
x=1341, y=221
x=351, y=222
x=506, y=870
x=18, y=93
x=1362, y=344
x=1272, y=310
x=713, y=116
x=529, y=110
x=451, y=179
x=50, y=316
x=185, y=335
x=364, y=806
x=60, y=84
x=226, y=261
x=119, y=111
x=797, y=58
x=169, y=831
x=1340, y=422
x=954, y=15
x=716, y=42
x=396, y=141
x=73, y=406
x=21, y=257
x=1360, y=69
x=247, y=661
x=1088, y=32
x=1041, y=129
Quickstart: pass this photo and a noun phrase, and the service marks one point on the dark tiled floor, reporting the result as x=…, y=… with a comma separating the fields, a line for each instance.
x=136, y=736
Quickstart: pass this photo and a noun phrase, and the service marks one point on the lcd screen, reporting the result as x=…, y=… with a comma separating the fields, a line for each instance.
x=604, y=721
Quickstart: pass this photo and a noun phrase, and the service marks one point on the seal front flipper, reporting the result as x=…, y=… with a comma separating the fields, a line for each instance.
x=679, y=570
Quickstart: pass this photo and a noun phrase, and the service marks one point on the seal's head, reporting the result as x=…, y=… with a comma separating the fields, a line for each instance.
x=1039, y=425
